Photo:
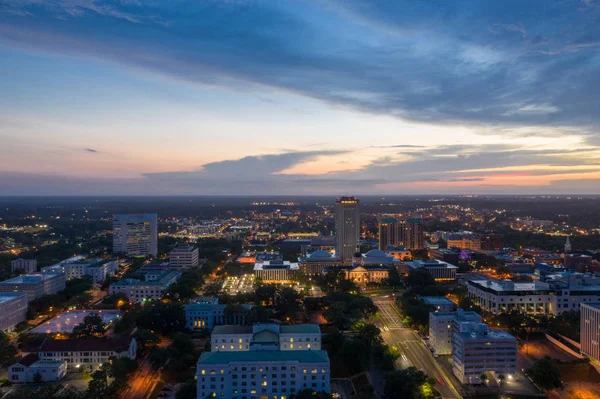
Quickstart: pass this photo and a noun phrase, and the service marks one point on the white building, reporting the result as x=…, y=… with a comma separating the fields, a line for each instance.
x=440, y=303
x=271, y=373
x=590, y=330
x=35, y=285
x=440, y=270
x=442, y=325
x=476, y=350
x=135, y=235
x=347, y=228
x=98, y=269
x=203, y=313
x=183, y=257
x=13, y=309
x=314, y=263
x=558, y=293
x=28, y=367
x=85, y=353
x=266, y=336
x=143, y=291
x=23, y=265
x=276, y=271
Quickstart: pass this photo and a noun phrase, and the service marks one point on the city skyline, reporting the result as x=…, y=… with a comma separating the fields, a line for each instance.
x=307, y=97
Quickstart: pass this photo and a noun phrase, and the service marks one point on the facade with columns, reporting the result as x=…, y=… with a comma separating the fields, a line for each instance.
x=203, y=313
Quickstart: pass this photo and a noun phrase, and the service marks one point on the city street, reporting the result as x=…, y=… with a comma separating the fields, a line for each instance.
x=413, y=351
x=142, y=383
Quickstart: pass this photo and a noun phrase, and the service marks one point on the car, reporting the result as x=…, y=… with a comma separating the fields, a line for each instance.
x=391, y=298
x=440, y=381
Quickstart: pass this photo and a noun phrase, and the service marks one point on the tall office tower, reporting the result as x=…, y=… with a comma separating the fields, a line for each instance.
x=410, y=232
x=135, y=235
x=347, y=228
x=388, y=233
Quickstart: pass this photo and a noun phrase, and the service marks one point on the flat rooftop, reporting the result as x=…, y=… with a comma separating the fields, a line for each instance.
x=437, y=300
x=33, y=278
x=64, y=322
x=213, y=358
x=9, y=296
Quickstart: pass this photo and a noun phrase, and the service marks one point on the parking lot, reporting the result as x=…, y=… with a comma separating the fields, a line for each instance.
x=239, y=285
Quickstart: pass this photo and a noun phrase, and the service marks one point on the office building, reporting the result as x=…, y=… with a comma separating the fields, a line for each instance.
x=347, y=228
x=388, y=233
x=559, y=293
x=490, y=241
x=411, y=234
x=35, y=285
x=266, y=336
x=463, y=242
x=184, y=257
x=144, y=291
x=23, y=265
x=313, y=264
x=277, y=272
x=442, y=326
x=261, y=374
x=439, y=303
x=98, y=269
x=135, y=234
x=84, y=354
x=203, y=313
x=440, y=270
x=27, y=369
x=13, y=309
x=590, y=330
x=477, y=350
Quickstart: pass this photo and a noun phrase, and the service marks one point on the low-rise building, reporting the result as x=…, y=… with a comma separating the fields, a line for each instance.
x=98, y=269
x=558, y=293
x=440, y=270
x=442, y=326
x=23, y=265
x=203, y=313
x=35, y=285
x=439, y=303
x=313, y=264
x=13, y=309
x=276, y=271
x=266, y=336
x=85, y=353
x=143, y=291
x=477, y=350
x=398, y=252
x=269, y=373
x=184, y=257
x=31, y=369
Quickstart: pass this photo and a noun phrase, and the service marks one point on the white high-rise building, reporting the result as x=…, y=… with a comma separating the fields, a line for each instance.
x=477, y=350
x=135, y=234
x=183, y=257
x=590, y=330
x=347, y=228
x=24, y=265
x=442, y=325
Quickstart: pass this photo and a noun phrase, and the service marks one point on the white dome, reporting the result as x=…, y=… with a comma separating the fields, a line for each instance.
x=320, y=254
x=376, y=253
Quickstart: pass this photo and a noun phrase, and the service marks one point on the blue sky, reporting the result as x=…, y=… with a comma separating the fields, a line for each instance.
x=299, y=97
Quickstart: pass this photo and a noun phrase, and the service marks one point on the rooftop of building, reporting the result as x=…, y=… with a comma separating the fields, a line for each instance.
x=28, y=360
x=10, y=296
x=397, y=248
x=283, y=329
x=313, y=356
x=30, y=278
x=436, y=300
x=184, y=248
x=595, y=305
x=232, y=329
x=168, y=276
x=276, y=265
x=481, y=331
x=430, y=263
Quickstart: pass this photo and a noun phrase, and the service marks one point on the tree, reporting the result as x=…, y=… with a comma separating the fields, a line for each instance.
x=145, y=340
x=92, y=325
x=467, y=304
x=187, y=390
x=394, y=278
x=310, y=394
x=266, y=293
x=419, y=278
x=37, y=377
x=501, y=378
x=355, y=355
x=545, y=374
x=167, y=318
x=7, y=350
x=158, y=357
x=369, y=334
x=483, y=378
x=403, y=384
x=182, y=344
x=336, y=314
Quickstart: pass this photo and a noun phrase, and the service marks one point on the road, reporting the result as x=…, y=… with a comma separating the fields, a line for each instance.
x=413, y=351
x=142, y=383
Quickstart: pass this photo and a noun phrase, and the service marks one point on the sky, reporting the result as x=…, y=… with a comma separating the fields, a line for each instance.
x=219, y=97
